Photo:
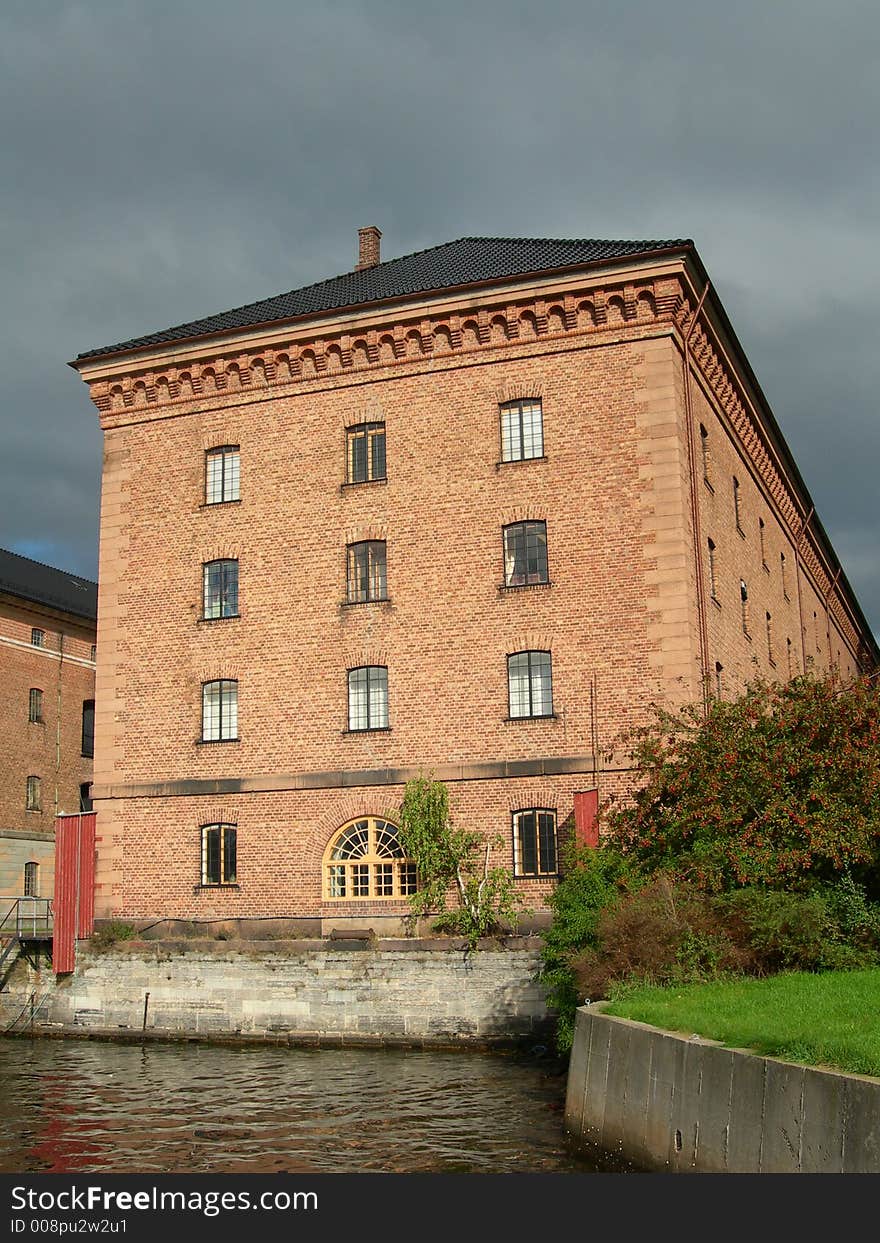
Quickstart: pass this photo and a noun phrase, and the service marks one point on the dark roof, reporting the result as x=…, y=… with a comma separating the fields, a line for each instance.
x=468, y=261
x=41, y=584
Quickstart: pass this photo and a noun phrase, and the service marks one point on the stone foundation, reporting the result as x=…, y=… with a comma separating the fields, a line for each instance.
x=408, y=992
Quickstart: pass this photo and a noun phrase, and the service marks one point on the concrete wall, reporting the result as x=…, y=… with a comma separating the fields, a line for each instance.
x=664, y=1101
x=373, y=992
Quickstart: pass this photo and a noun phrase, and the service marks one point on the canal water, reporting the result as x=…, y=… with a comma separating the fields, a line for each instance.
x=70, y=1105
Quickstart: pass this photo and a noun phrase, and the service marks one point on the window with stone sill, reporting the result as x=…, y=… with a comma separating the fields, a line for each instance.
x=33, y=795
x=87, y=746
x=525, y=554
x=522, y=430
x=529, y=685
x=704, y=450
x=220, y=710
x=31, y=880
x=35, y=706
x=365, y=452
x=744, y=606
x=222, y=474
x=366, y=571
x=219, y=854
x=534, y=842
x=712, y=583
x=368, y=698
x=219, y=589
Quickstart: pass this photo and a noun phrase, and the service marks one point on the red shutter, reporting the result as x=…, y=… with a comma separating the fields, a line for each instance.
x=74, y=905
x=586, y=817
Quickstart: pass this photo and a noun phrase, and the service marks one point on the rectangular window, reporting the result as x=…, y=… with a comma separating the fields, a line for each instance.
x=704, y=450
x=33, y=797
x=782, y=573
x=88, y=727
x=366, y=571
x=763, y=548
x=525, y=554
x=219, y=854
x=93, y=652
x=38, y=637
x=736, y=504
x=31, y=880
x=85, y=796
x=522, y=430
x=744, y=602
x=769, y=624
x=534, y=842
x=220, y=591
x=368, y=697
x=719, y=680
x=222, y=471
x=365, y=452
x=712, y=591
x=35, y=705
x=220, y=711
x=529, y=684
x=788, y=658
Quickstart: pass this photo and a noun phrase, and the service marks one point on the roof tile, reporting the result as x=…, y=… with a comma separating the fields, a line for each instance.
x=470, y=260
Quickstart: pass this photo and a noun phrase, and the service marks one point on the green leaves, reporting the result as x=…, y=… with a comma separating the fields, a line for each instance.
x=453, y=859
x=779, y=787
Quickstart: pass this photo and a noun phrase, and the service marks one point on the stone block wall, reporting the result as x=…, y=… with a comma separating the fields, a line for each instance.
x=405, y=992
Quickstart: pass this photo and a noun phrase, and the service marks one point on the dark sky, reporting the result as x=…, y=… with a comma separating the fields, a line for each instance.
x=163, y=161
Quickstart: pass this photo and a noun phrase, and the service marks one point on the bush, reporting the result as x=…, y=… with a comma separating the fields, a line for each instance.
x=662, y=933
x=797, y=932
x=592, y=881
x=667, y=932
x=447, y=858
x=778, y=788
x=108, y=934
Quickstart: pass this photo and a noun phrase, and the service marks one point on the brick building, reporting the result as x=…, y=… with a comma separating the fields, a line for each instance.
x=47, y=712
x=464, y=512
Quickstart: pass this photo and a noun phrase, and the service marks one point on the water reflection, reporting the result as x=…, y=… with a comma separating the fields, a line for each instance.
x=71, y=1105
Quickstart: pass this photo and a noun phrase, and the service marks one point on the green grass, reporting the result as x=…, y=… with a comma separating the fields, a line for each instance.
x=829, y=1019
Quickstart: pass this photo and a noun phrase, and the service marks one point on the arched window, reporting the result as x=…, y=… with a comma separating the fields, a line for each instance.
x=365, y=860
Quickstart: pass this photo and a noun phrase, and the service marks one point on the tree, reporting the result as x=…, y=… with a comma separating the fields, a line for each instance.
x=779, y=787
x=450, y=858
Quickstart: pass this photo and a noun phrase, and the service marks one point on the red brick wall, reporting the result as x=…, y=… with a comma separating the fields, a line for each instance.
x=50, y=750
x=620, y=615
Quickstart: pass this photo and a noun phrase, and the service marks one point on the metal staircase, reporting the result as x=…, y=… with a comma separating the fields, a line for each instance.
x=28, y=920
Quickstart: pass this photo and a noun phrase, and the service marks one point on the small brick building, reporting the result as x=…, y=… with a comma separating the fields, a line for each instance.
x=47, y=713
x=464, y=513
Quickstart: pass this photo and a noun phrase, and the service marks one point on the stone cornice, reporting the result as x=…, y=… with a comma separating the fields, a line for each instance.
x=148, y=385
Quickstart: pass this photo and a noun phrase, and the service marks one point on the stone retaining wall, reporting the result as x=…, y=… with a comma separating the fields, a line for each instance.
x=402, y=992
x=664, y=1101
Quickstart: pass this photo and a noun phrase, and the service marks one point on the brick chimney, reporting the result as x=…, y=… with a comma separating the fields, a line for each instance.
x=368, y=246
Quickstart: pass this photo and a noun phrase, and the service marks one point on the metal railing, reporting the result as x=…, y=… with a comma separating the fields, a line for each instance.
x=27, y=919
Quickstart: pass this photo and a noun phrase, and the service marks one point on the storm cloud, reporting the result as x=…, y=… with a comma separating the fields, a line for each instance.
x=165, y=161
